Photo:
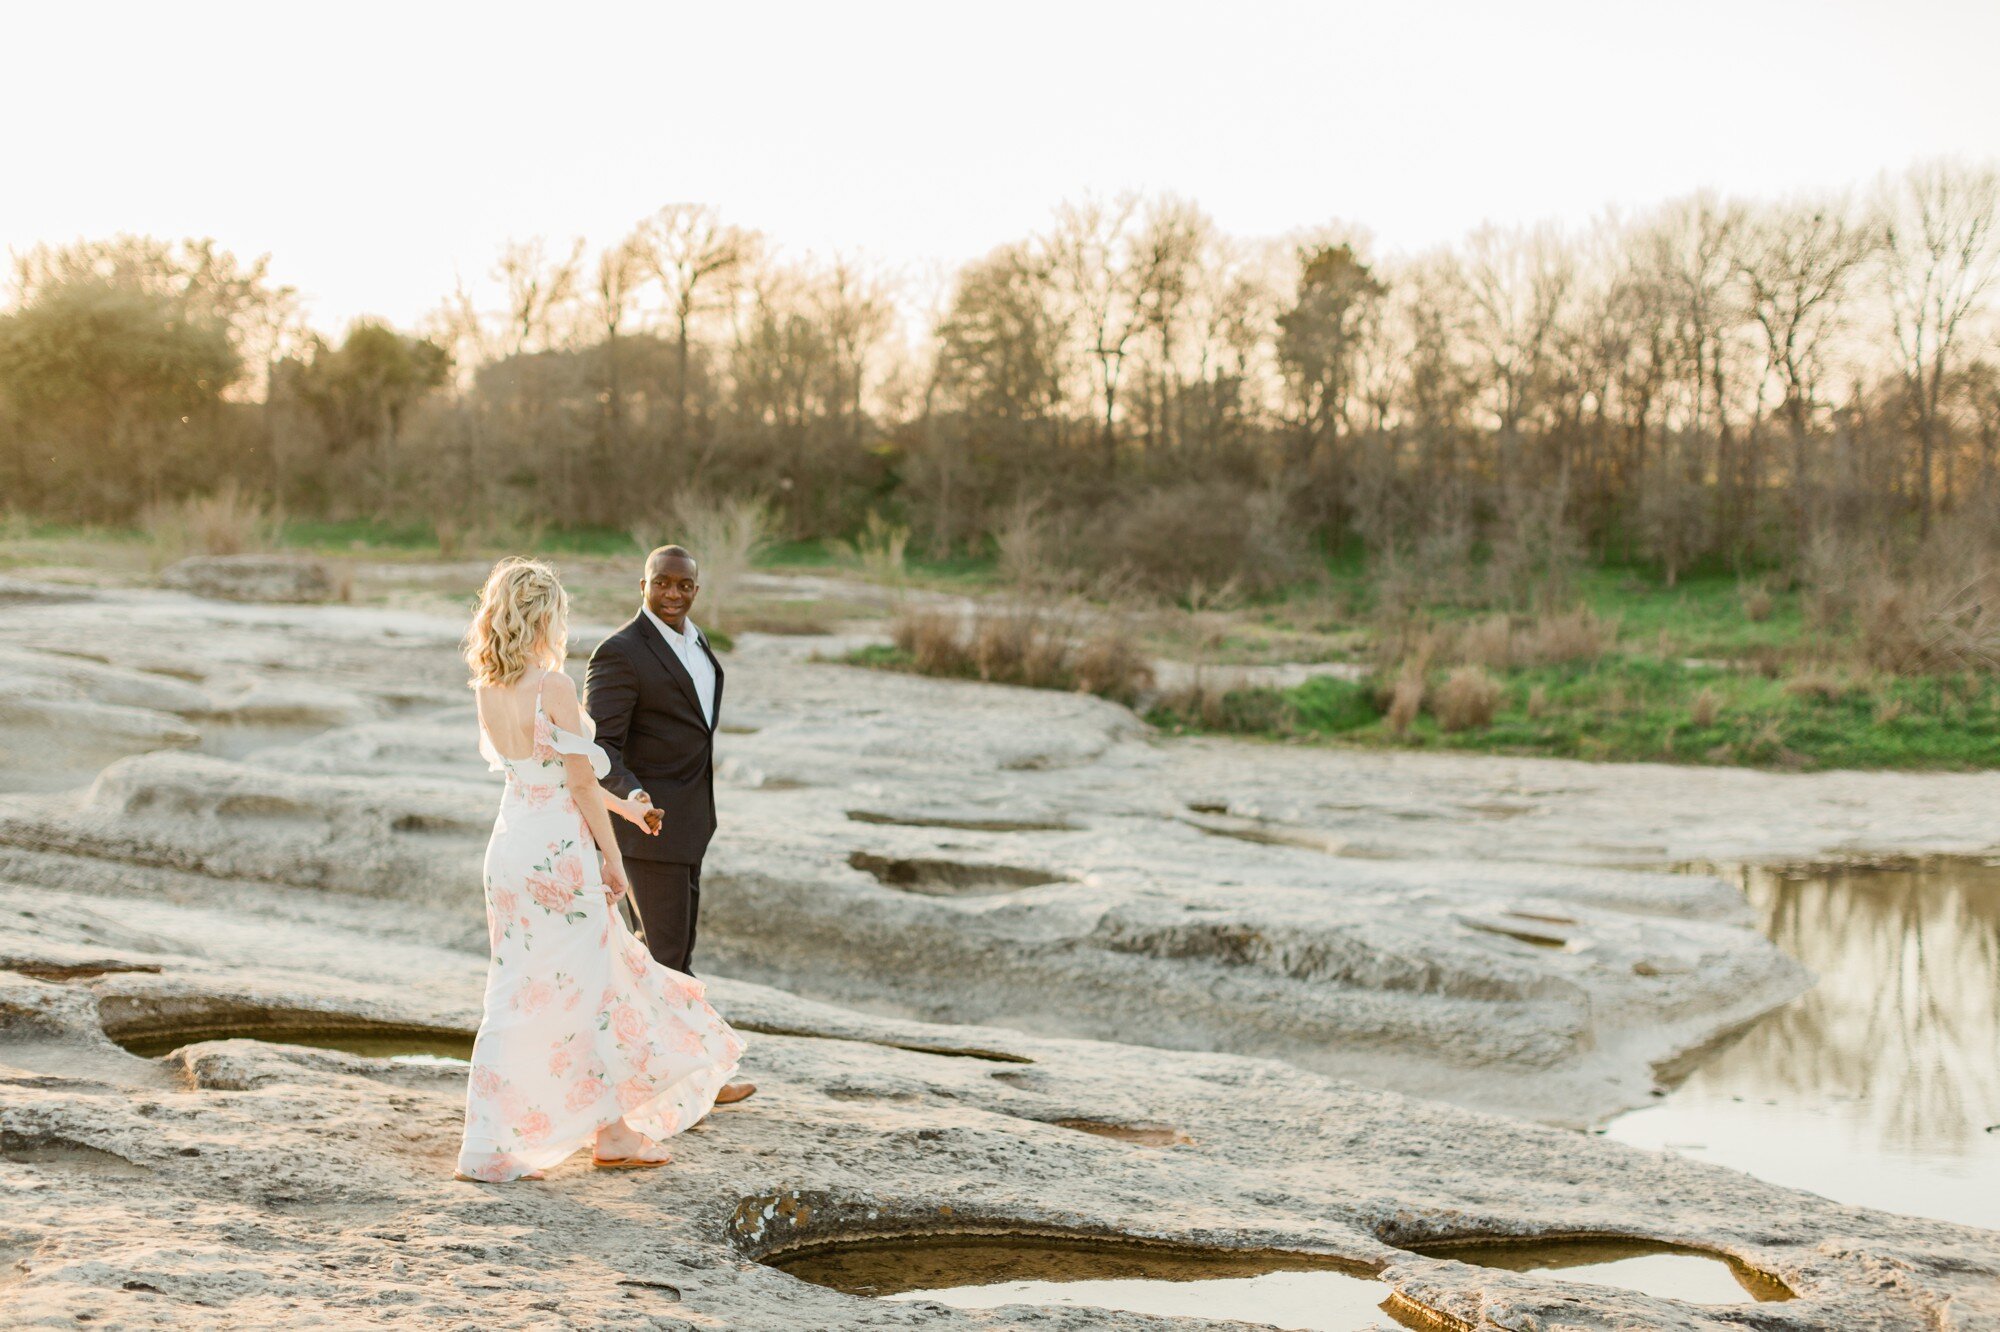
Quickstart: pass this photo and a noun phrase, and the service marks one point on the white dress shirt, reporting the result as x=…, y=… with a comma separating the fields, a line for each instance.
x=700, y=669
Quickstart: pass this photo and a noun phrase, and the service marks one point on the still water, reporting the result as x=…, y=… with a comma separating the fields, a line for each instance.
x=1298, y=1292
x=1293, y=1291
x=1881, y=1084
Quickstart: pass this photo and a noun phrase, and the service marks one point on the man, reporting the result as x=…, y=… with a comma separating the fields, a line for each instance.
x=654, y=691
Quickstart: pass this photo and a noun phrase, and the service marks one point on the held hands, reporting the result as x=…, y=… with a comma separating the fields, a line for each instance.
x=648, y=817
x=640, y=812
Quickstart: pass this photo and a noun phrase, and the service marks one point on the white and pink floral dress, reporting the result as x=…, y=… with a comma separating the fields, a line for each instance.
x=582, y=1026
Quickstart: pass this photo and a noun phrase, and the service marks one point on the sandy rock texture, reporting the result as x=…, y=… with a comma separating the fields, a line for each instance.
x=976, y=933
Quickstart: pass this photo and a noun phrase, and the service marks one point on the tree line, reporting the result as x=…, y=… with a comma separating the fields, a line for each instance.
x=1715, y=381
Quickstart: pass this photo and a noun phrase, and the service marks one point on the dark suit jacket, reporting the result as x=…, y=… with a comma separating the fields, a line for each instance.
x=649, y=721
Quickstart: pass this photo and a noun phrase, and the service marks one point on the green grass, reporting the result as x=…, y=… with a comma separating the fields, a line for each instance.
x=1645, y=708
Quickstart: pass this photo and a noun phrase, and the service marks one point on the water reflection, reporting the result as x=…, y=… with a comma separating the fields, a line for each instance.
x=1286, y=1290
x=1665, y=1270
x=1878, y=1085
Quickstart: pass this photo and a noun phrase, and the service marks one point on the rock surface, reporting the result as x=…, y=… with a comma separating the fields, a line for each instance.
x=282, y=578
x=922, y=874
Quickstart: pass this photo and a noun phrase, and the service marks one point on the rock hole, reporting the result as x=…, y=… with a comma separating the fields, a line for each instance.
x=1145, y=1135
x=951, y=878
x=1245, y=830
x=151, y=1028
x=69, y=971
x=1666, y=1271
x=962, y=824
x=434, y=825
x=985, y=1271
x=56, y=1150
x=914, y=1047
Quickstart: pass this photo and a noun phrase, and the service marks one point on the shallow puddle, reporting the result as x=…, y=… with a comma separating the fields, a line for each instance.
x=1881, y=1085
x=1283, y=1290
x=414, y=1045
x=1651, y=1269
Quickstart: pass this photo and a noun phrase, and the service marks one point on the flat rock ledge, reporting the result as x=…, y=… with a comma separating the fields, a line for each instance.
x=247, y=1184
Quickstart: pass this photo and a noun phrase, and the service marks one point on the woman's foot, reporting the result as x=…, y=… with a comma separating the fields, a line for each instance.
x=620, y=1146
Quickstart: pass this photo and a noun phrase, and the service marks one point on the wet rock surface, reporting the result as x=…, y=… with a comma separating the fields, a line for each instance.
x=975, y=914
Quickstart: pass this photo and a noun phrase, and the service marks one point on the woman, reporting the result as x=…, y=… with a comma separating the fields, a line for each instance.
x=585, y=1039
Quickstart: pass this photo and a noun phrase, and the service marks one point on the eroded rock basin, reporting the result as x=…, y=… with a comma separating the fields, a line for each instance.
x=1283, y=1290
x=1294, y=1291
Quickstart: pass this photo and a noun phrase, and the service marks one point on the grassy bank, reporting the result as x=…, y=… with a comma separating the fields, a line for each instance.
x=1639, y=708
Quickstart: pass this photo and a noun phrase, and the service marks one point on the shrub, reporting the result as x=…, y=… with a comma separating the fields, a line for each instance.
x=1570, y=636
x=1025, y=645
x=1818, y=686
x=934, y=641
x=1406, y=699
x=1928, y=625
x=877, y=553
x=1757, y=604
x=1706, y=707
x=1468, y=700
x=1536, y=551
x=228, y=522
x=1207, y=535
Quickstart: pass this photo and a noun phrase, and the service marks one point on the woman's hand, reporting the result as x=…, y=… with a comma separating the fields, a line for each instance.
x=616, y=885
x=639, y=813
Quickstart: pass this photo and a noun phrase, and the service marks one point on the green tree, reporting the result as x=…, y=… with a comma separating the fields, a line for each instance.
x=111, y=391
x=360, y=392
x=1320, y=337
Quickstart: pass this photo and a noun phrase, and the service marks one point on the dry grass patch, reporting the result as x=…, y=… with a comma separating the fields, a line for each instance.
x=229, y=522
x=1064, y=648
x=1468, y=700
x=1406, y=700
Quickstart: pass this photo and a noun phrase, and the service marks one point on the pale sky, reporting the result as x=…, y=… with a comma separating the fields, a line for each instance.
x=379, y=151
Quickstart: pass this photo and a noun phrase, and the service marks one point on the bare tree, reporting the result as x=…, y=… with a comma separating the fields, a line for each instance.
x=539, y=293
x=620, y=275
x=699, y=261
x=1518, y=284
x=1168, y=253
x=1798, y=265
x=1939, y=257
x=1090, y=252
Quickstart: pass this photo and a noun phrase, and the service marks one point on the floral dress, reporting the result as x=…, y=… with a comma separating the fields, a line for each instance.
x=582, y=1027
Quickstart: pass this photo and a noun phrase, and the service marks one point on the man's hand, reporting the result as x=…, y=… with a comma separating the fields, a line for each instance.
x=650, y=818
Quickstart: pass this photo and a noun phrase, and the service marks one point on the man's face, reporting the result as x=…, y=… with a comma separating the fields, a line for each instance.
x=670, y=588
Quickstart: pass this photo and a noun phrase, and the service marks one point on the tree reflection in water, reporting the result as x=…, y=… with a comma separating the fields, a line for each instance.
x=1877, y=1086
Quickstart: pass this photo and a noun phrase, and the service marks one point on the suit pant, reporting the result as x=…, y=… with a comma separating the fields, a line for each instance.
x=668, y=898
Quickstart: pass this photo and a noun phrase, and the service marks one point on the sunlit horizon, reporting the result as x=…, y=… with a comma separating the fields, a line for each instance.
x=384, y=163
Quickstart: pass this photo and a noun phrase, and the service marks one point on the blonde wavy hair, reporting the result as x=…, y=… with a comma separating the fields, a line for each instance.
x=522, y=621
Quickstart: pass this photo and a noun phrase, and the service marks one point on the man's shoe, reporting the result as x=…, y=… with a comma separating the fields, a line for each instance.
x=733, y=1092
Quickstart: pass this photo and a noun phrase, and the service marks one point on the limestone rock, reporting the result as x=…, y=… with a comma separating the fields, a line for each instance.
x=280, y=578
